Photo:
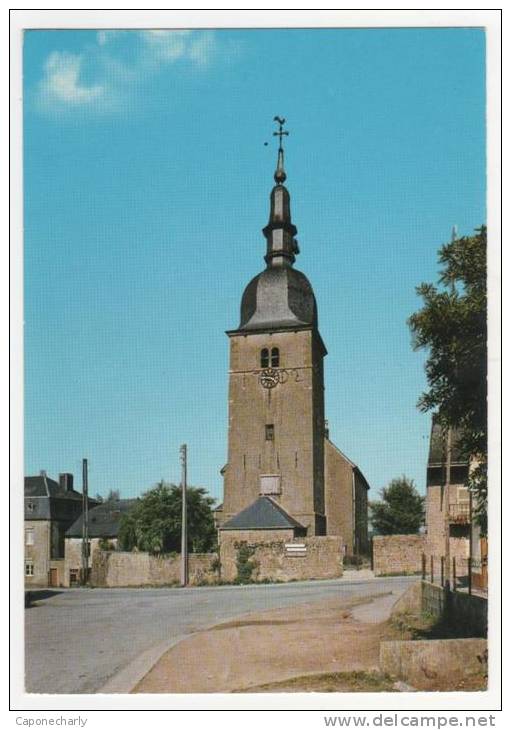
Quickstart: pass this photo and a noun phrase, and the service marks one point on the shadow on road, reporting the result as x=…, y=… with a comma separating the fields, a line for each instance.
x=40, y=595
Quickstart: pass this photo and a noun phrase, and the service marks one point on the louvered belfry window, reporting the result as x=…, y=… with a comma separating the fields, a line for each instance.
x=275, y=357
x=265, y=358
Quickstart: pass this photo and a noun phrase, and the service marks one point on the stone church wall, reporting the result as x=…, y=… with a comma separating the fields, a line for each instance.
x=398, y=554
x=322, y=557
x=294, y=407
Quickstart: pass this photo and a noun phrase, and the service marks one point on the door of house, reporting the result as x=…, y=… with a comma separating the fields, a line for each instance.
x=54, y=577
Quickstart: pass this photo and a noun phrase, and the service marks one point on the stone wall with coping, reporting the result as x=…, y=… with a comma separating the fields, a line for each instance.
x=113, y=569
x=425, y=664
x=398, y=554
x=458, y=607
x=271, y=560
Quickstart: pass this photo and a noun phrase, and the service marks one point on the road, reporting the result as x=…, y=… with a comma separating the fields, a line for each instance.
x=80, y=640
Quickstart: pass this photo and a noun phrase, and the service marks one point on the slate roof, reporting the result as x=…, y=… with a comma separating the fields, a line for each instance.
x=438, y=447
x=263, y=514
x=40, y=486
x=278, y=298
x=103, y=519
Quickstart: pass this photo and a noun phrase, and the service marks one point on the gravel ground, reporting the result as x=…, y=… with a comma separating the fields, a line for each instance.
x=274, y=646
x=78, y=639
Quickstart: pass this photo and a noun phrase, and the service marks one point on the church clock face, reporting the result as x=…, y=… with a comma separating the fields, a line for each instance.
x=269, y=378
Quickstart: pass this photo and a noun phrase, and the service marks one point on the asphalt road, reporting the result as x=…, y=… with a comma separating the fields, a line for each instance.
x=80, y=640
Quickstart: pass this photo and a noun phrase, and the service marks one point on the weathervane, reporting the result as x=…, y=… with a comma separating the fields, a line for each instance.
x=280, y=175
x=280, y=133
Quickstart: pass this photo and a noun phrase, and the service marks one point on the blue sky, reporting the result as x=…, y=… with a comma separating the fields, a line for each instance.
x=146, y=187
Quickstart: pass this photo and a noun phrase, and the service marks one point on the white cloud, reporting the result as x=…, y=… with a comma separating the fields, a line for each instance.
x=202, y=48
x=61, y=82
x=168, y=46
x=105, y=36
x=118, y=67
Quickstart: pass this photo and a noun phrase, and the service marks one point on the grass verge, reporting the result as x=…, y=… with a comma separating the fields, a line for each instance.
x=330, y=682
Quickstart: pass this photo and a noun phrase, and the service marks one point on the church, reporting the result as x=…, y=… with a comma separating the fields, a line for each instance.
x=283, y=473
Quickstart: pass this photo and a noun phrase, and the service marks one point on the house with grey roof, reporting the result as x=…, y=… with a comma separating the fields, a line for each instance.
x=51, y=507
x=103, y=530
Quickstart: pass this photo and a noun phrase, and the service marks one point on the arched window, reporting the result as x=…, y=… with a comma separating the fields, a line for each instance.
x=275, y=357
x=265, y=358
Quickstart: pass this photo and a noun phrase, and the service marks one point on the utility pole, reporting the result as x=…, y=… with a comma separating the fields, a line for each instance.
x=470, y=541
x=446, y=507
x=85, y=523
x=184, y=526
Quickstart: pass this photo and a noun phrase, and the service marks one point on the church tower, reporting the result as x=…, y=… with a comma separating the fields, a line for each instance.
x=276, y=436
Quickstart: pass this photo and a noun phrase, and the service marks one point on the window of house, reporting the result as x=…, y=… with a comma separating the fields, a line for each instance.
x=29, y=536
x=29, y=568
x=275, y=357
x=265, y=358
x=73, y=576
x=269, y=430
x=30, y=506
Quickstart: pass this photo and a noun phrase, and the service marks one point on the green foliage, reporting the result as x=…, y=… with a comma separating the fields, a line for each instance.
x=244, y=565
x=401, y=511
x=154, y=524
x=452, y=326
x=105, y=544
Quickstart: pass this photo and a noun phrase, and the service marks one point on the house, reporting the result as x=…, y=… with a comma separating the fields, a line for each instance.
x=103, y=531
x=450, y=531
x=50, y=509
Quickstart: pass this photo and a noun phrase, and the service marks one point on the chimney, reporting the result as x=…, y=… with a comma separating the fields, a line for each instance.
x=66, y=482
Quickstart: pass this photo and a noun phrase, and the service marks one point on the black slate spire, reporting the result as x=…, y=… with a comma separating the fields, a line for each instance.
x=280, y=231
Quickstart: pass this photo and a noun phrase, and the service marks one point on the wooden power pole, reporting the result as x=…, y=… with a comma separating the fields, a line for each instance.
x=446, y=506
x=85, y=523
x=184, y=526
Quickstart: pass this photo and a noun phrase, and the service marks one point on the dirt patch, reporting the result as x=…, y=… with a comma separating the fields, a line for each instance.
x=321, y=638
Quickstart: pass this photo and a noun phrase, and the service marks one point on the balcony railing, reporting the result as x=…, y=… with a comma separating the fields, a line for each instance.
x=459, y=513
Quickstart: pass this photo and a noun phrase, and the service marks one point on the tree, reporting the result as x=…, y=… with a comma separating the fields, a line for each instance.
x=452, y=326
x=154, y=524
x=401, y=511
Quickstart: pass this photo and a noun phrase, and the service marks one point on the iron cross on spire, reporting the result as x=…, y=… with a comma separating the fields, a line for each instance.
x=280, y=133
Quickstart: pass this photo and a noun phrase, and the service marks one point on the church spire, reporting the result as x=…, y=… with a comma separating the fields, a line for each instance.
x=280, y=232
x=280, y=175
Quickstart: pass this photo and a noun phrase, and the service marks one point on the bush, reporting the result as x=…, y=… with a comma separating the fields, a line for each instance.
x=244, y=565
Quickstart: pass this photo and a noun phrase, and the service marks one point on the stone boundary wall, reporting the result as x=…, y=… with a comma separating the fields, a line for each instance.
x=322, y=557
x=115, y=569
x=425, y=664
x=469, y=610
x=398, y=554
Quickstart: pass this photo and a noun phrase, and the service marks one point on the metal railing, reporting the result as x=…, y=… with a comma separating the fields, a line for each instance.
x=465, y=574
x=459, y=513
